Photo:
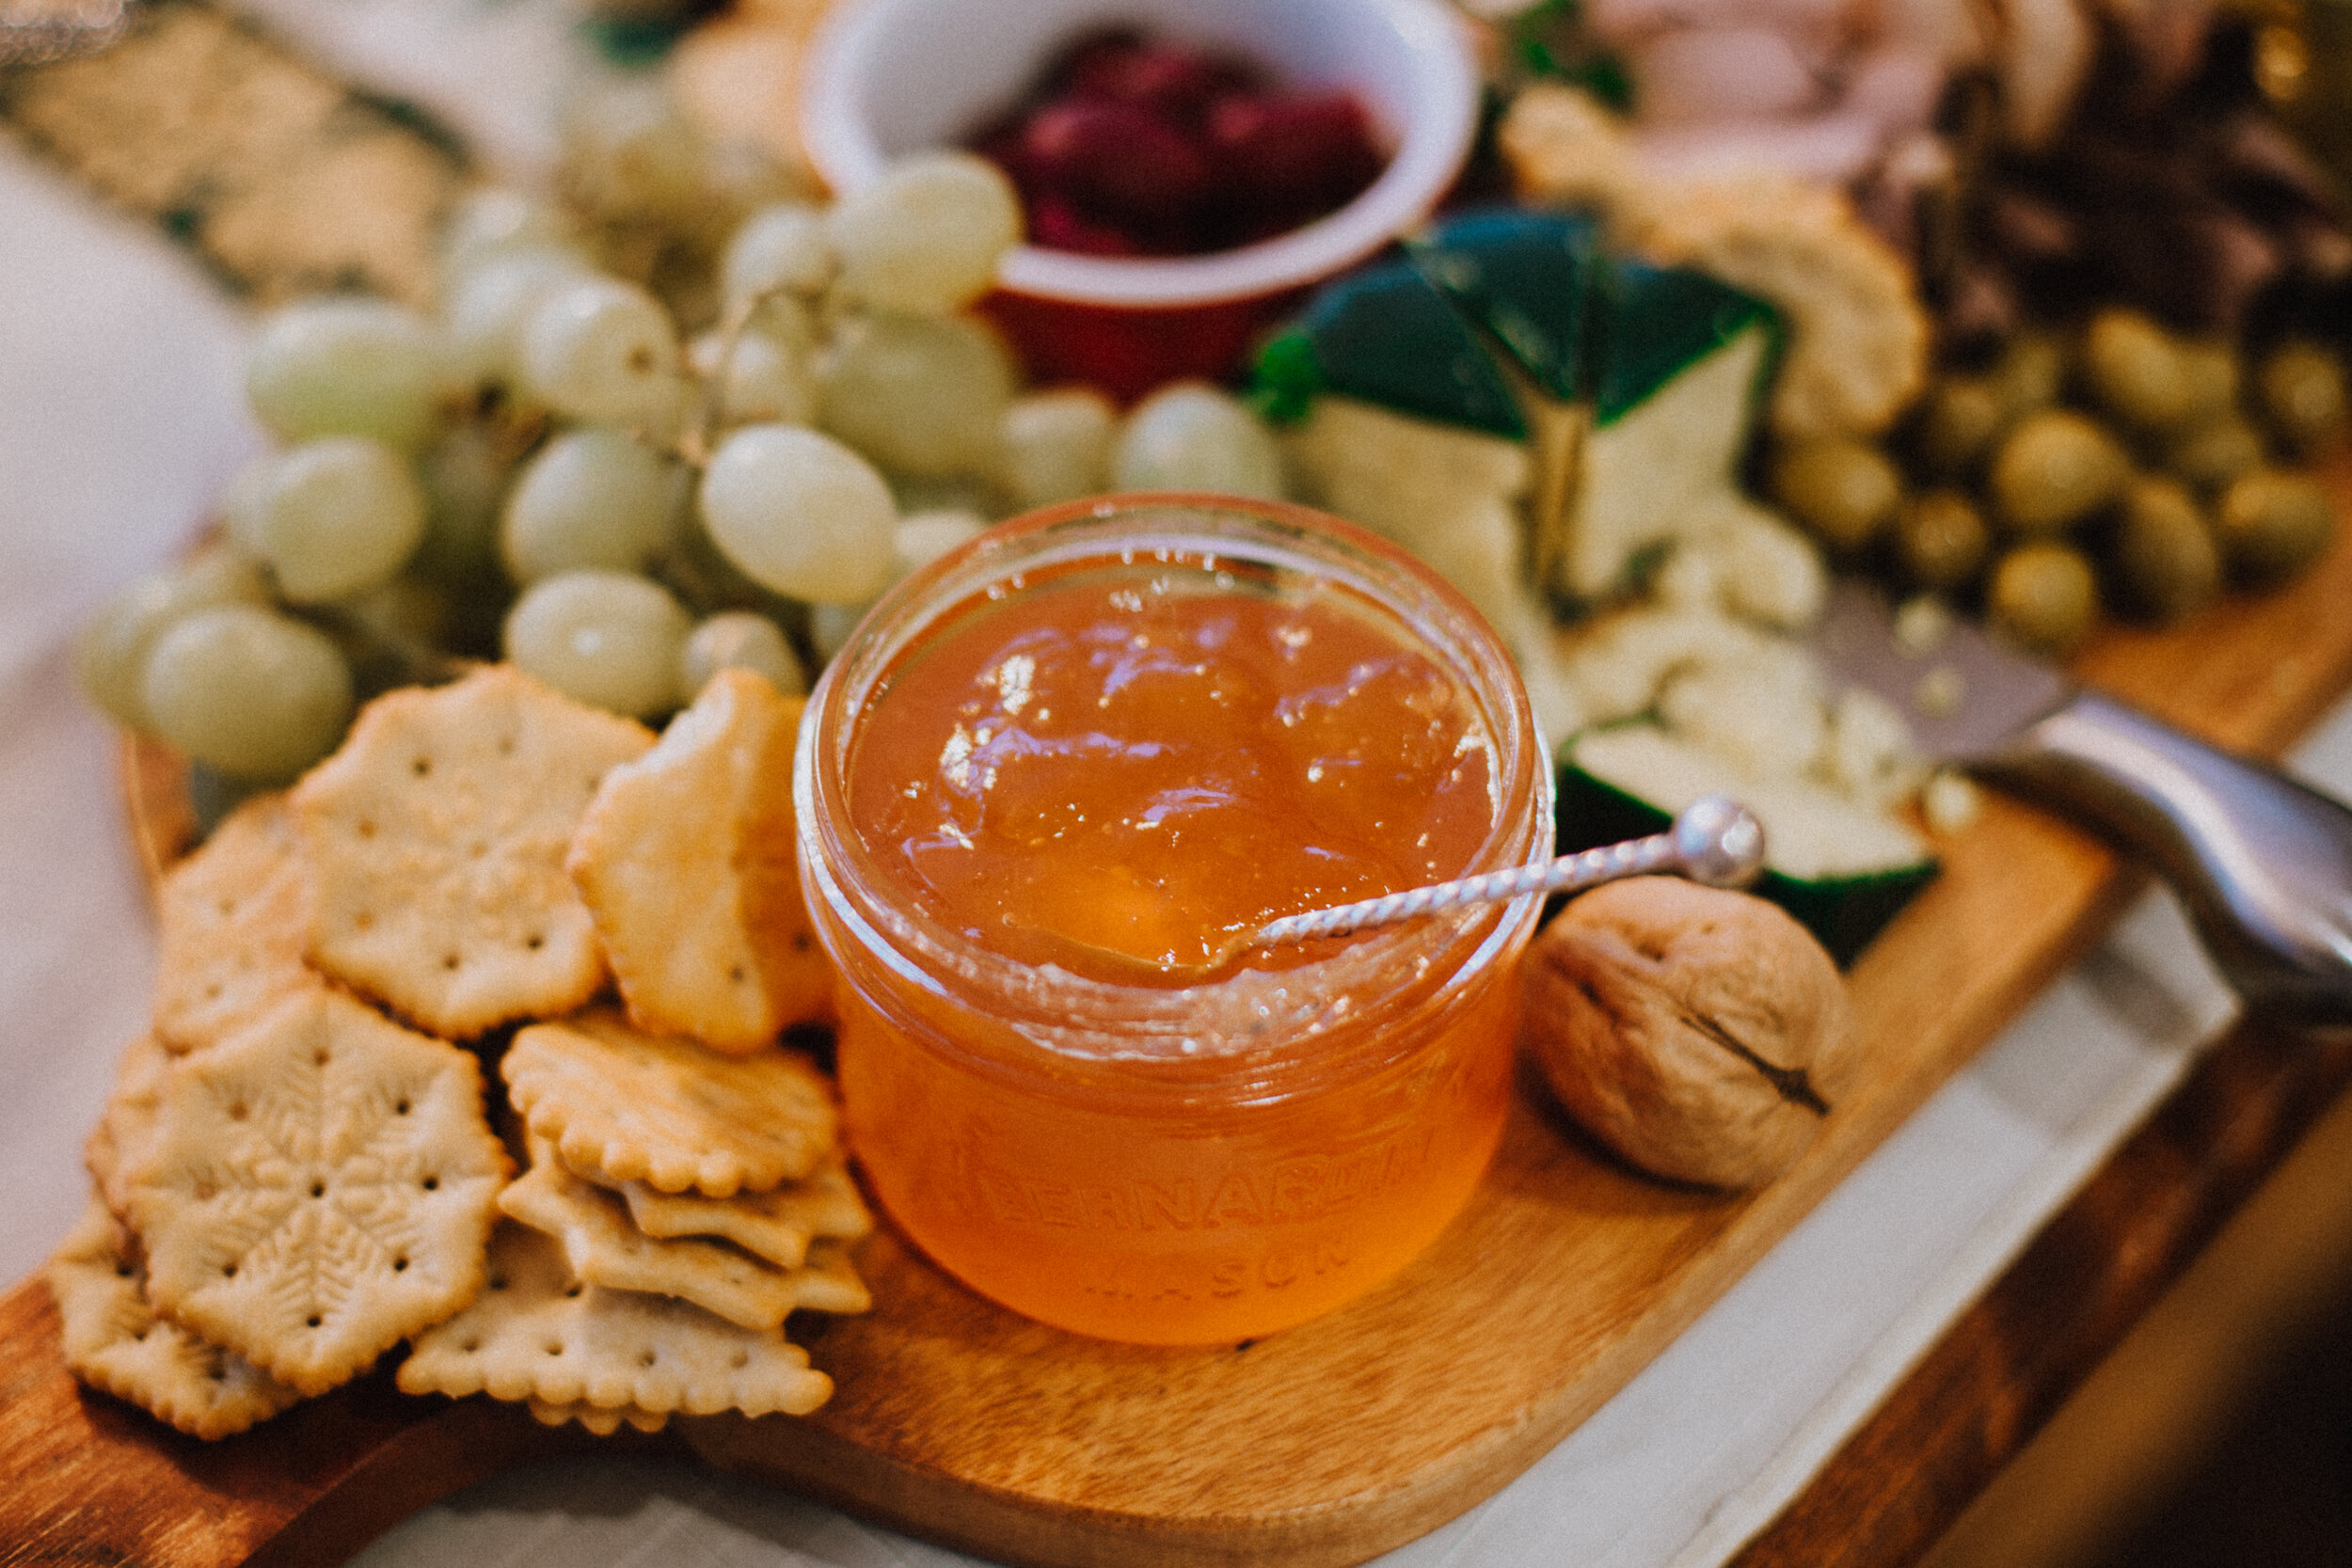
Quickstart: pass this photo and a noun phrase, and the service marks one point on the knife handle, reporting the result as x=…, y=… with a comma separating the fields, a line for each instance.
x=2263, y=864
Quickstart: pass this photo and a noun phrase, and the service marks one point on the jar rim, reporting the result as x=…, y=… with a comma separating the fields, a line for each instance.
x=1071, y=1022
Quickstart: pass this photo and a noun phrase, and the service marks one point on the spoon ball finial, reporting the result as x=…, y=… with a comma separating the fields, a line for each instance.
x=1718, y=842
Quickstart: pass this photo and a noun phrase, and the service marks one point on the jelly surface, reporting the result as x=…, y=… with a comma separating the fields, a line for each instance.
x=1138, y=767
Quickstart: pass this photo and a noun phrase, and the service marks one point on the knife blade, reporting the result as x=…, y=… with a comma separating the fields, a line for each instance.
x=1964, y=693
x=2261, y=862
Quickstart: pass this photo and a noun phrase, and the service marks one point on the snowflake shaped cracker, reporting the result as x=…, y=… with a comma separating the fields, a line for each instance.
x=319, y=1187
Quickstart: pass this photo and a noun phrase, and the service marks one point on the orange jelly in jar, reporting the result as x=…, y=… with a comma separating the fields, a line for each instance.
x=1042, y=791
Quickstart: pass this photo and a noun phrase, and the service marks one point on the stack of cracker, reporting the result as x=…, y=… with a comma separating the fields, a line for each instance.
x=297, y=1169
x=674, y=1213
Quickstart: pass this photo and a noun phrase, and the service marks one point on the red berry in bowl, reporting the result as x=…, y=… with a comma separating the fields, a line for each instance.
x=1173, y=80
x=1133, y=146
x=1293, y=151
x=1122, y=160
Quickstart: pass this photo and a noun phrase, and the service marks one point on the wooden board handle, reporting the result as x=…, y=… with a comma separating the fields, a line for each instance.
x=91, y=1480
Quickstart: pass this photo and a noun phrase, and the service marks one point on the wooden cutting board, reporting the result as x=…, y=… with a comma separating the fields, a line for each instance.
x=1323, y=1444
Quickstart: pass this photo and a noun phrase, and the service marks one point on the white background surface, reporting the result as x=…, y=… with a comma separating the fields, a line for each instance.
x=121, y=420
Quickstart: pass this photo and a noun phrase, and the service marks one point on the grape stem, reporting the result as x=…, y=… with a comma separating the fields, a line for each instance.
x=694, y=442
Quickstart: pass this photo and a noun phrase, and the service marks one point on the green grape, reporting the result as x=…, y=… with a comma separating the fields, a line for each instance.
x=610, y=640
x=799, y=514
x=604, y=351
x=110, y=653
x=767, y=383
x=484, y=312
x=927, y=236
x=347, y=367
x=923, y=537
x=251, y=693
x=592, y=496
x=629, y=156
x=466, y=477
x=780, y=250
x=329, y=517
x=1191, y=436
x=739, y=639
x=924, y=394
x=1057, y=446
x=492, y=220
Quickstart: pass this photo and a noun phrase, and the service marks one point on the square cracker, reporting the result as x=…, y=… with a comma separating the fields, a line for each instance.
x=687, y=861
x=114, y=1341
x=435, y=838
x=624, y=1105
x=537, y=1334
x=319, y=1187
x=233, y=920
x=777, y=1225
x=126, y=1127
x=603, y=1248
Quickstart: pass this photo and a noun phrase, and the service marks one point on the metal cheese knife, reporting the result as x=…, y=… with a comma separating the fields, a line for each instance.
x=2263, y=864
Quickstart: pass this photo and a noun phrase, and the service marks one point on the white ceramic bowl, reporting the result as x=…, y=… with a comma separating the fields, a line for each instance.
x=888, y=77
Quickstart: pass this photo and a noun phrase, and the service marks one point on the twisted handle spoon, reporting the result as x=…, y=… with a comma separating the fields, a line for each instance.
x=1715, y=840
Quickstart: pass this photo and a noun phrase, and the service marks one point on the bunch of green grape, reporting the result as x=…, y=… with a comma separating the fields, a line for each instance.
x=679, y=417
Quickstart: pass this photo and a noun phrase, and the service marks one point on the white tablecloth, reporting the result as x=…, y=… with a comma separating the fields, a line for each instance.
x=119, y=421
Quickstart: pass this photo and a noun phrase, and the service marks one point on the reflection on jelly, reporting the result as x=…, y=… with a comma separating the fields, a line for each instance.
x=1136, y=762
x=1186, y=721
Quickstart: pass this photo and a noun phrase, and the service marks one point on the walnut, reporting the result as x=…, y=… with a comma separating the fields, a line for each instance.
x=1701, y=1034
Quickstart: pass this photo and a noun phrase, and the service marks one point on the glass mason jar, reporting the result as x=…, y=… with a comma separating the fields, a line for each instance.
x=1155, y=1163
